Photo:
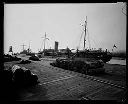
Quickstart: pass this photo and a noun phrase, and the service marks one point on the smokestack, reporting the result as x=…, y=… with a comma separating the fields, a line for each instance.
x=56, y=46
x=10, y=50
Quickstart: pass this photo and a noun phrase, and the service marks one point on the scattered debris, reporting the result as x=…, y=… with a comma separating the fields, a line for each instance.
x=34, y=58
x=25, y=61
x=8, y=58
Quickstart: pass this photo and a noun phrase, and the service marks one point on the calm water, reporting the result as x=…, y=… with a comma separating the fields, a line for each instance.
x=117, y=61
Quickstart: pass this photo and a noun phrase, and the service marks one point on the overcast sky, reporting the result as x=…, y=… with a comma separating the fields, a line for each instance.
x=24, y=23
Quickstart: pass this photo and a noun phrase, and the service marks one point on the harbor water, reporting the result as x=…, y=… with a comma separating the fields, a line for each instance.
x=117, y=61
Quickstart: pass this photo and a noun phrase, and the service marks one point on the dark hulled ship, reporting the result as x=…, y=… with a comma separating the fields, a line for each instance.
x=105, y=56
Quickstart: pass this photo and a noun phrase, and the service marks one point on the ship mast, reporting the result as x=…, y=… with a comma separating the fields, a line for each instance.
x=45, y=40
x=29, y=47
x=23, y=46
x=85, y=32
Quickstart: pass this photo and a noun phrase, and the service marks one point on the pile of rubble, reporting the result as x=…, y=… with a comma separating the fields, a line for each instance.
x=8, y=58
x=23, y=76
x=13, y=79
x=24, y=62
x=34, y=58
x=19, y=76
x=85, y=67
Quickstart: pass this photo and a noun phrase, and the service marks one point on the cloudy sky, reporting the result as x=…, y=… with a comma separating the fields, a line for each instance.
x=24, y=23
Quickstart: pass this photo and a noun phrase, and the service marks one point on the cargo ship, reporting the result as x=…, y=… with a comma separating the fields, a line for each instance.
x=105, y=56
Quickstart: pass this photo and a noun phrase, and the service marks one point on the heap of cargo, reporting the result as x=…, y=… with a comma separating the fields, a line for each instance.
x=82, y=65
x=13, y=79
x=19, y=76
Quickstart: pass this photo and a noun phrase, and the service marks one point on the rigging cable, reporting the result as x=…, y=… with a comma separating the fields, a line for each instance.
x=123, y=10
x=41, y=45
x=88, y=39
x=95, y=43
x=80, y=39
x=98, y=43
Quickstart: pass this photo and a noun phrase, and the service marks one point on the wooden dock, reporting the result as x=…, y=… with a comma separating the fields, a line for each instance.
x=59, y=84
